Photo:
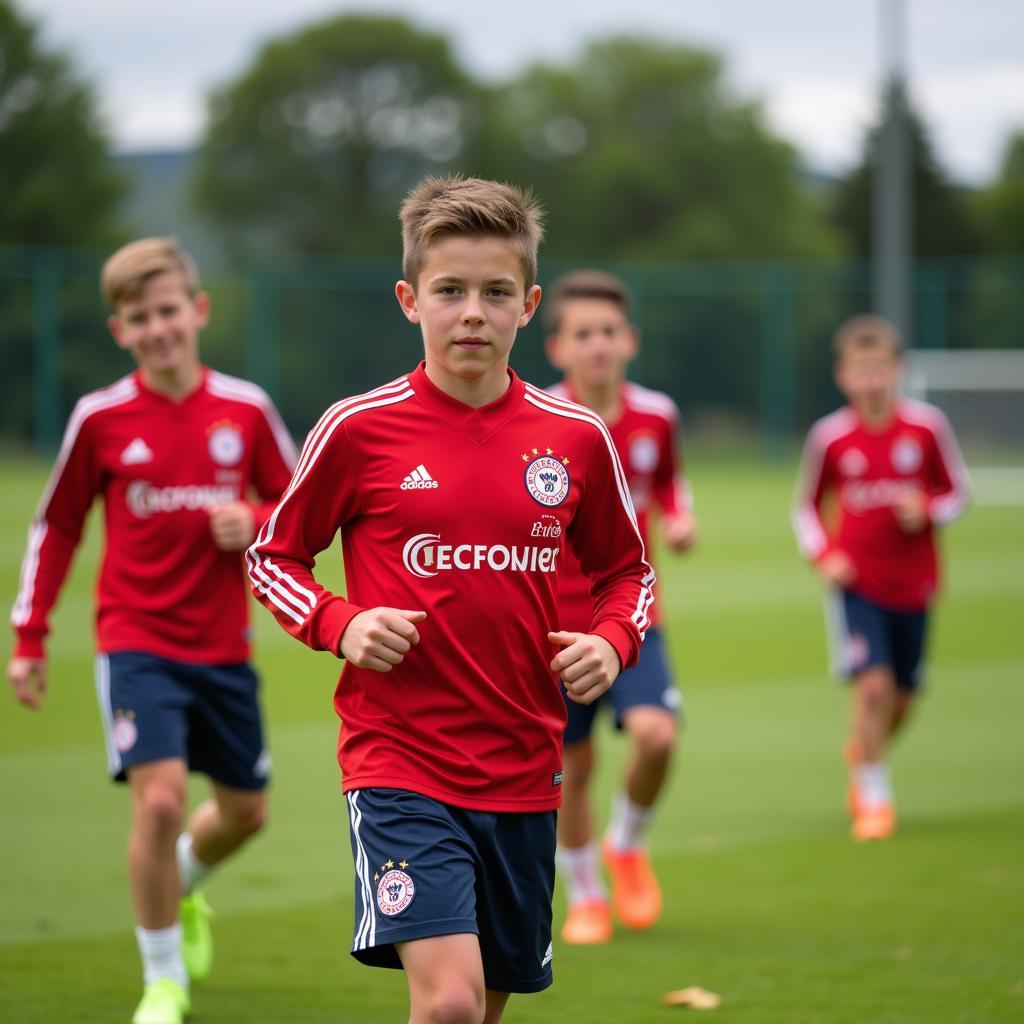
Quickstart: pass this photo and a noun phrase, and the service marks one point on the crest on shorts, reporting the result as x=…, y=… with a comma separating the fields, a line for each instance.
x=395, y=888
x=125, y=731
x=225, y=443
x=856, y=652
x=907, y=455
x=546, y=476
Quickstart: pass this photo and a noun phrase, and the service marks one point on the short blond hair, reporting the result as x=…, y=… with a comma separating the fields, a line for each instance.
x=866, y=330
x=126, y=273
x=469, y=206
x=582, y=284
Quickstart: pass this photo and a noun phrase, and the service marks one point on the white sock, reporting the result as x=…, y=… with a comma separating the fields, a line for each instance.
x=628, y=823
x=582, y=872
x=160, y=950
x=873, y=787
x=191, y=869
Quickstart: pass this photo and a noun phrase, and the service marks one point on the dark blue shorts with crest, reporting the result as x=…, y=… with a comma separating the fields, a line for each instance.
x=208, y=715
x=426, y=869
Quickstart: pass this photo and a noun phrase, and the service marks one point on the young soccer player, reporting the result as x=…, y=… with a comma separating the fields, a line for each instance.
x=188, y=462
x=591, y=340
x=457, y=489
x=893, y=469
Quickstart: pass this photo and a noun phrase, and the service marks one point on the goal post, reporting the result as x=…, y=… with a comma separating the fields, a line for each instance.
x=981, y=391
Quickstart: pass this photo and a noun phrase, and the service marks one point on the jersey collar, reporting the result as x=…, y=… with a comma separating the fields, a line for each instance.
x=204, y=373
x=480, y=423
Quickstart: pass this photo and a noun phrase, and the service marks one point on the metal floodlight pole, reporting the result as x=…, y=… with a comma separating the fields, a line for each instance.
x=892, y=206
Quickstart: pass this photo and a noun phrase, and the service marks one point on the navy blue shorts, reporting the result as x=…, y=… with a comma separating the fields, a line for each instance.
x=207, y=715
x=425, y=868
x=863, y=634
x=648, y=683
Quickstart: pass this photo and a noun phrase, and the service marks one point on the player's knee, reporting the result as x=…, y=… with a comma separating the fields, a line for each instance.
x=249, y=816
x=876, y=687
x=456, y=1002
x=655, y=737
x=161, y=811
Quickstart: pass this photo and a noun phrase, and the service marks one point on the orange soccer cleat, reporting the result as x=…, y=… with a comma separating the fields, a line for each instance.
x=588, y=923
x=636, y=894
x=873, y=823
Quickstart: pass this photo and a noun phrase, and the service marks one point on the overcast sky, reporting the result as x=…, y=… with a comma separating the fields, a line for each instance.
x=815, y=63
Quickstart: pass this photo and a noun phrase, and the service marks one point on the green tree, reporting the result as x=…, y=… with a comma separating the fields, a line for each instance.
x=638, y=149
x=312, y=147
x=58, y=186
x=1001, y=205
x=942, y=224
x=57, y=183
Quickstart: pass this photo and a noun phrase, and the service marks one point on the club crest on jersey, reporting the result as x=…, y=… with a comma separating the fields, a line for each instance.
x=546, y=477
x=395, y=889
x=224, y=443
x=643, y=453
x=906, y=455
x=853, y=462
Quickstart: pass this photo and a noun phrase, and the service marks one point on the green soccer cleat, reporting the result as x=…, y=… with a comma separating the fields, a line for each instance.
x=196, y=935
x=163, y=1002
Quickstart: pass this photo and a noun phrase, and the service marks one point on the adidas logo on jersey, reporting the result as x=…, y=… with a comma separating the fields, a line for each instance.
x=419, y=480
x=137, y=452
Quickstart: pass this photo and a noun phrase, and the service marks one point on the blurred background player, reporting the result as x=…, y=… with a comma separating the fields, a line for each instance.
x=592, y=341
x=189, y=463
x=457, y=489
x=894, y=471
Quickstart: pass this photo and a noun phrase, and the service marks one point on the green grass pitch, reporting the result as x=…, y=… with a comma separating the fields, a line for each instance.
x=767, y=900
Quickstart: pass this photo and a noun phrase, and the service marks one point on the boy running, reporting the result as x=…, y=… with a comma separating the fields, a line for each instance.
x=895, y=472
x=189, y=462
x=591, y=340
x=457, y=489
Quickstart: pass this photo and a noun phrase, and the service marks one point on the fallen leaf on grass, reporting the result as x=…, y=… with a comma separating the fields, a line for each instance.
x=694, y=998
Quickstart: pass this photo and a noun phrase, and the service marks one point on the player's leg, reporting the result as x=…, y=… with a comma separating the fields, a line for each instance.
x=861, y=641
x=158, y=810
x=225, y=743
x=495, y=1006
x=144, y=713
x=445, y=976
x=902, y=711
x=588, y=920
x=646, y=703
x=870, y=656
x=217, y=828
x=874, y=705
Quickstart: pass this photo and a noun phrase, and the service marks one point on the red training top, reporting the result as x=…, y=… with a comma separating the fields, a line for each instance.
x=164, y=587
x=462, y=513
x=869, y=469
x=646, y=436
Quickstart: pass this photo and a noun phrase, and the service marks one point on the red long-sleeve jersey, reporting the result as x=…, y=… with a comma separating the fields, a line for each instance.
x=646, y=438
x=164, y=587
x=868, y=470
x=462, y=513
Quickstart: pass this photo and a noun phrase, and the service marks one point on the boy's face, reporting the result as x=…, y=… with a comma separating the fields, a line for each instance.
x=594, y=344
x=161, y=326
x=469, y=300
x=868, y=377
